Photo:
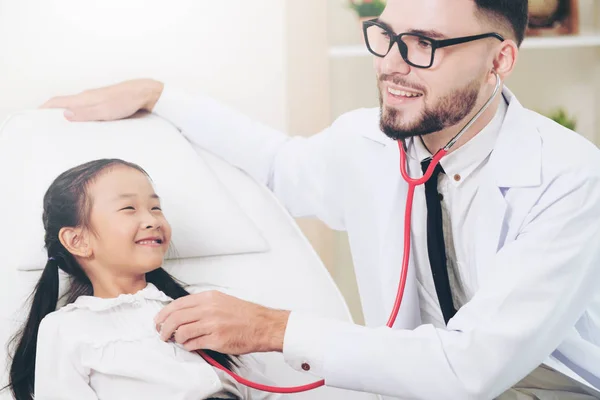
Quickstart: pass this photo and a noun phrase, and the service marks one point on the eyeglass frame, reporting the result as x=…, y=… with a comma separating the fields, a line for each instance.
x=435, y=43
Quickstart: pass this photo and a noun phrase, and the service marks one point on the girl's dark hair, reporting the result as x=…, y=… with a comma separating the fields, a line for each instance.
x=67, y=204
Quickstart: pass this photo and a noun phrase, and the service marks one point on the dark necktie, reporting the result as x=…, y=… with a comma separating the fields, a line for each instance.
x=435, y=242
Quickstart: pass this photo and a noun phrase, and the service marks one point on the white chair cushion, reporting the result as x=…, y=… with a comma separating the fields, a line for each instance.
x=289, y=275
x=216, y=226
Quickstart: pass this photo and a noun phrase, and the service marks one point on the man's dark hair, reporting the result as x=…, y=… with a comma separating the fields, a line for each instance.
x=511, y=13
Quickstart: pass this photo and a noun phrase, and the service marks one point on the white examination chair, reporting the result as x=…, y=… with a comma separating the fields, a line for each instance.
x=227, y=229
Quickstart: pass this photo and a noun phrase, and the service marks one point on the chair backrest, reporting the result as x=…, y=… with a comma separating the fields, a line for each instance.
x=271, y=261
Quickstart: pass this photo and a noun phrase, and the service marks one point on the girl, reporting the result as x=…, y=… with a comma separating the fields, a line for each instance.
x=106, y=231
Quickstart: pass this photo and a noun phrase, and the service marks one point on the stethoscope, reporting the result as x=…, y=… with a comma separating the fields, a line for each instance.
x=412, y=184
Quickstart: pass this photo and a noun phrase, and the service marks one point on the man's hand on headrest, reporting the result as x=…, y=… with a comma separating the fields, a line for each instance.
x=109, y=103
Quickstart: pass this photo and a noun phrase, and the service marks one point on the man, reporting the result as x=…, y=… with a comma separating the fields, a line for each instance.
x=501, y=297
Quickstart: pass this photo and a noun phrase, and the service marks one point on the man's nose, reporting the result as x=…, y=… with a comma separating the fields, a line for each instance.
x=394, y=63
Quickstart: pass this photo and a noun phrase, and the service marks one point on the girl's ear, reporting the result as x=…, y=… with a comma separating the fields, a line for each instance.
x=76, y=241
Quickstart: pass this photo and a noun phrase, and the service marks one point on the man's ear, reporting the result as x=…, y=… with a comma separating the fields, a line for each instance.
x=76, y=241
x=505, y=60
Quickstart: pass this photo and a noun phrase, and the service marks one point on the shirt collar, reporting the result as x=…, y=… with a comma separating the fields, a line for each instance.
x=464, y=160
x=150, y=292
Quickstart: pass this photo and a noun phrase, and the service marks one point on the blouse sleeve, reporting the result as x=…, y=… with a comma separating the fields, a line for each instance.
x=58, y=371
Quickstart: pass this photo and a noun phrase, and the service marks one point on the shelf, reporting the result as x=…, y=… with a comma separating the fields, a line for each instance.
x=583, y=40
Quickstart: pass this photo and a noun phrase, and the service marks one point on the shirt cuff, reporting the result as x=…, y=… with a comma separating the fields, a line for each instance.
x=307, y=339
x=172, y=104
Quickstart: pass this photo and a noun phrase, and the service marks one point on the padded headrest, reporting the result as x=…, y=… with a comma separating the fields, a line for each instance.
x=41, y=144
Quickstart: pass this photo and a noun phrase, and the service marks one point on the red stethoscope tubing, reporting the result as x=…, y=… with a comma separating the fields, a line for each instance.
x=412, y=184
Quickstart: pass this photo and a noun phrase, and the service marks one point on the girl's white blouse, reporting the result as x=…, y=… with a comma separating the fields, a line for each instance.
x=100, y=348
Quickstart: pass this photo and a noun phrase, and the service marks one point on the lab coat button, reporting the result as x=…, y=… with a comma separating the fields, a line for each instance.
x=306, y=366
x=457, y=177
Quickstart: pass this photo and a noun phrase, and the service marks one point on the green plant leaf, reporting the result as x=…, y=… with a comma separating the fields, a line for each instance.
x=374, y=8
x=561, y=117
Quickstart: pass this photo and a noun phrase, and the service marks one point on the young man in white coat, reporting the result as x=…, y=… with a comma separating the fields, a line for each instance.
x=502, y=297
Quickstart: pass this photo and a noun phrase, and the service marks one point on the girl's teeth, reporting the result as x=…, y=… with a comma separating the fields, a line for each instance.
x=148, y=241
x=402, y=93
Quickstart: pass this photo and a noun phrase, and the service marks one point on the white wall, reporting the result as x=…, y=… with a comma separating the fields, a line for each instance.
x=234, y=51
x=308, y=97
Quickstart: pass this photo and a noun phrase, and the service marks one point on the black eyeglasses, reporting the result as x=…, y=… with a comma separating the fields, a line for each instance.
x=416, y=49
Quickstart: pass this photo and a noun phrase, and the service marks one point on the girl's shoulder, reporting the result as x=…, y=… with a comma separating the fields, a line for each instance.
x=60, y=329
x=95, y=320
x=65, y=317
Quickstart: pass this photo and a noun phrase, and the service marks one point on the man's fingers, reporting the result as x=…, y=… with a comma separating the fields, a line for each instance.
x=55, y=102
x=205, y=342
x=191, y=331
x=177, y=320
x=63, y=102
x=75, y=110
x=178, y=304
x=94, y=113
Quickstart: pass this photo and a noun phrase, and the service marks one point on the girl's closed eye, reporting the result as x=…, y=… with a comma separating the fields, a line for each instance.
x=127, y=208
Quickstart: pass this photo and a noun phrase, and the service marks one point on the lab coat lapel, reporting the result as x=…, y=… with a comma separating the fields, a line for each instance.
x=386, y=171
x=392, y=250
x=490, y=207
x=515, y=162
x=391, y=200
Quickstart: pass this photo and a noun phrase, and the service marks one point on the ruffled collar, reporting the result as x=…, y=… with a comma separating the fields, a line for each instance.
x=150, y=292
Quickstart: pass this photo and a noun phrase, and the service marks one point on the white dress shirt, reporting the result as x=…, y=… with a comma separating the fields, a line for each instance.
x=458, y=187
x=100, y=348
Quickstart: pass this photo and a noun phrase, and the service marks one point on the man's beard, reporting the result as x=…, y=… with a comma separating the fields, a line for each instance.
x=448, y=111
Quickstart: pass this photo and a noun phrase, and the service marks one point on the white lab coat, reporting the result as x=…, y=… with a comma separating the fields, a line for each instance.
x=536, y=258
